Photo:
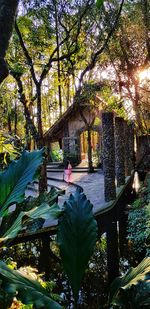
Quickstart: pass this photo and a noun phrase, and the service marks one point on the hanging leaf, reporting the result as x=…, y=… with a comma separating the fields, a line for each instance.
x=99, y=3
x=14, y=180
x=77, y=232
x=28, y=291
x=133, y=288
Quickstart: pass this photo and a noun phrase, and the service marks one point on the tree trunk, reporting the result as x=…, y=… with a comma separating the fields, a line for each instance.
x=41, y=144
x=16, y=119
x=68, y=90
x=28, y=138
x=9, y=123
x=90, y=164
x=58, y=62
x=23, y=100
x=7, y=14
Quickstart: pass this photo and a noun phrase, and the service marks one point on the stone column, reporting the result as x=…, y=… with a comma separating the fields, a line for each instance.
x=131, y=146
x=65, y=143
x=128, y=149
x=119, y=151
x=108, y=156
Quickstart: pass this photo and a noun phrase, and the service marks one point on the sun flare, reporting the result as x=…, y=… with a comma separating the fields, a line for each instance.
x=144, y=75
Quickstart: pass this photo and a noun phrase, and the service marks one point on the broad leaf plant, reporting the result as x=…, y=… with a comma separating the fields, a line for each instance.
x=77, y=231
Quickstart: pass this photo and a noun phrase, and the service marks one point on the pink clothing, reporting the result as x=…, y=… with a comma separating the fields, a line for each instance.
x=67, y=173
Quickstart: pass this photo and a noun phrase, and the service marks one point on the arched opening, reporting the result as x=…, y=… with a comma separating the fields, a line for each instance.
x=95, y=145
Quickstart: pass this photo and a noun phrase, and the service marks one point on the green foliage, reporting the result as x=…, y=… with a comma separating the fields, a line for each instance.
x=112, y=102
x=99, y=3
x=133, y=289
x=14, y=180
x=17, y=69
x=77, y=232
x=88, y=93
x=8, y=151
x=139, y=221
x=27, y=218
x=46, y=197
x=137, y=228
x=56, y=155
x=13, y=184
x=29, y=291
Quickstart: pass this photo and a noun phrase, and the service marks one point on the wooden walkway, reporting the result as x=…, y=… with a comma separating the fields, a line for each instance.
x=92, y=185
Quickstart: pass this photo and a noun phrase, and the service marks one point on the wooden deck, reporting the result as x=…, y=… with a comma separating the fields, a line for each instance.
x=93, y=187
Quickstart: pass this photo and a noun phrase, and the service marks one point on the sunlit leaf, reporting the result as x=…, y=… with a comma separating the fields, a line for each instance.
x=28, y=291
x=14, y=180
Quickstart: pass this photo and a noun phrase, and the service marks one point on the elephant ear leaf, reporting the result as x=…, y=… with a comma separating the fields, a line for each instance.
x=25, y=220
x=133, y=287
x=14, y=180
x=25, y=289
x=77, y=233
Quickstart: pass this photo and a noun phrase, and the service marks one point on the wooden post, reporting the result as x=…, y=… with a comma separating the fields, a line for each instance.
x=112, y=251
x=44, y=259
x=119, y=151
x=108, y=155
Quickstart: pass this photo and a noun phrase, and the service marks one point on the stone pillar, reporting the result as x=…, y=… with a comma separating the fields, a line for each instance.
x=108, y=155
x=131, y=145
x=65, y=143
x=119, y=151
x=128, y=149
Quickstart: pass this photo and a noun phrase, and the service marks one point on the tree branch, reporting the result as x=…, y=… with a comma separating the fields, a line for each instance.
x=26, y=53
x=95, y=56
x=75, y=41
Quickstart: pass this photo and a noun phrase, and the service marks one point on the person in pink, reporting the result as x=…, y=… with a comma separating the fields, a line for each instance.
x=67, y=172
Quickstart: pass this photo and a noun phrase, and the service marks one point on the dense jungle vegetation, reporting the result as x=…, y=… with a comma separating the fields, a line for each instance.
x=54, y=54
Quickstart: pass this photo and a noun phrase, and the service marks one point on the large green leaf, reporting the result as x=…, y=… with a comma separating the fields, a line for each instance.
x=11, y=224
x=77, y=232
x=126, y=289
x=14, y=180
x=49, y=198
x=24, y=218
x=28, y=291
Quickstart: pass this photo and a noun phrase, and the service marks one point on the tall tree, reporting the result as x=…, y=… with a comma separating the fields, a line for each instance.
x=129, y=55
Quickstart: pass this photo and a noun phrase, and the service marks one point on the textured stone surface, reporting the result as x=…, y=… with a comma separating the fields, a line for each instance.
x=129, y=140
x=120, y=151
x=131, y=146
x=108, y=156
